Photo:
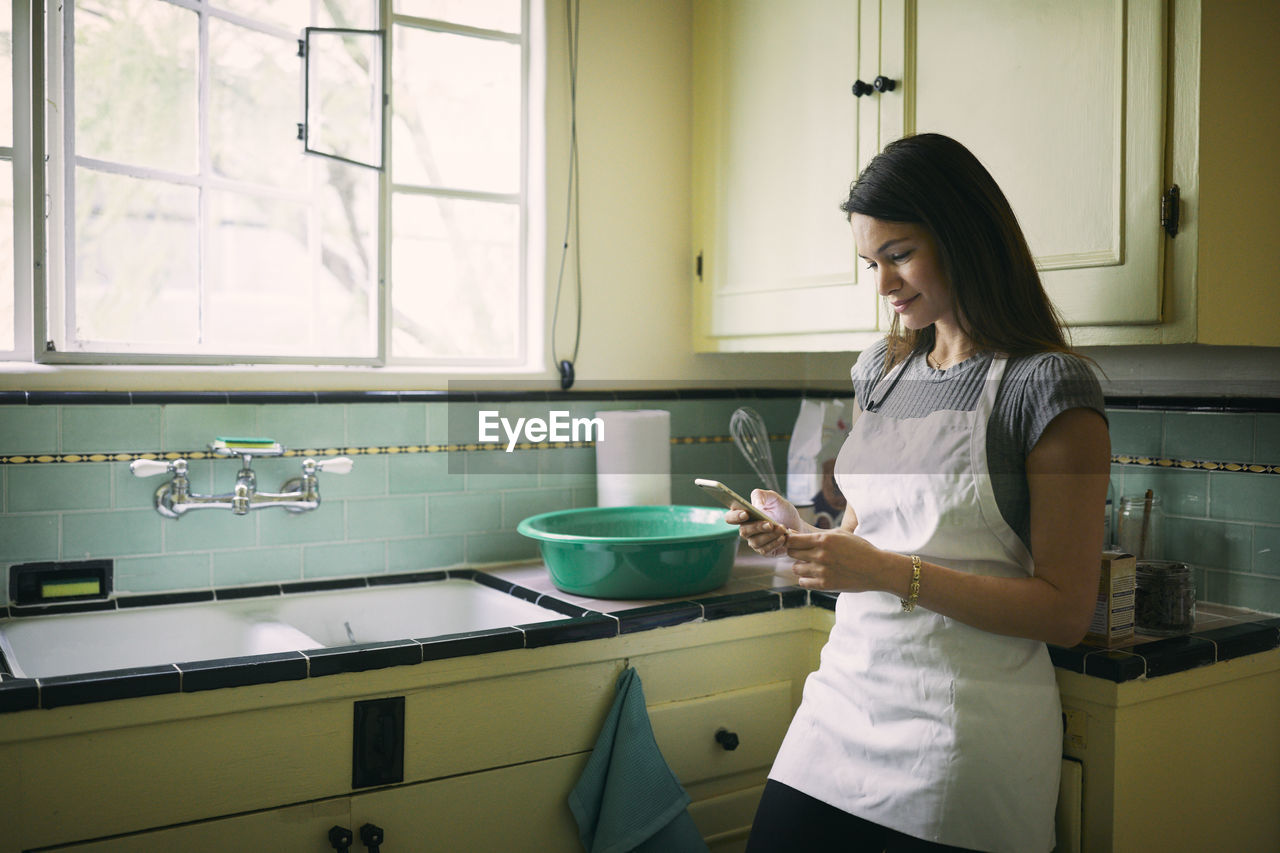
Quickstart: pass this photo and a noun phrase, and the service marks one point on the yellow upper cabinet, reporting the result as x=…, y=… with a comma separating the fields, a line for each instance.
x=775, y=127
x=1239, y=172
x=1085, y=112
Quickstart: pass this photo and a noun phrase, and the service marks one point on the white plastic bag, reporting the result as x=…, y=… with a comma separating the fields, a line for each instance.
x=820, y=430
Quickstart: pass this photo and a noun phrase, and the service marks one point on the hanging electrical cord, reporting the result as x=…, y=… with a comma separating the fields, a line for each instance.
x=571, y=219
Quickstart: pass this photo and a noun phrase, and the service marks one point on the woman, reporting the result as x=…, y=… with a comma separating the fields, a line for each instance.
x=975, y=473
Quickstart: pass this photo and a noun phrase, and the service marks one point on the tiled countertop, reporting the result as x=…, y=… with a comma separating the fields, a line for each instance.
x=756, y=585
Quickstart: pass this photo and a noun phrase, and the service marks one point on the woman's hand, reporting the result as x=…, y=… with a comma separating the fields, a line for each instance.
x=768, y=539
x=839, y=561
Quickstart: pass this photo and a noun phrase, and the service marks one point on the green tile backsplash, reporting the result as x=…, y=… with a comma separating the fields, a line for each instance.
x=403, y=509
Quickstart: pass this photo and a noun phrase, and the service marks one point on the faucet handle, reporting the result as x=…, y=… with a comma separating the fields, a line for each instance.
x=335, y=465
x=150, y=467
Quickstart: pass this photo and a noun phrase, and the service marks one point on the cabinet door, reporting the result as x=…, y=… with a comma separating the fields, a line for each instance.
x=294, y=829
x=1064, y=104
x=775, y=150
x=512, y=809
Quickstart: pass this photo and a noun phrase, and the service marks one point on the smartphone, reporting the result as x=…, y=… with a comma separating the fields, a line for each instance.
x=731, y=499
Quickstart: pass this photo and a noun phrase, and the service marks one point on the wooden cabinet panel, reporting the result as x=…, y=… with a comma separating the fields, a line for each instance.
x=757, y=717
x=1064, y=105
x=512, y=809
x=295, y=829
x=776, y=123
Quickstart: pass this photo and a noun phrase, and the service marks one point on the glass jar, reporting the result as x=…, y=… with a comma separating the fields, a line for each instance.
x=1139, y=528
x=1164, y=601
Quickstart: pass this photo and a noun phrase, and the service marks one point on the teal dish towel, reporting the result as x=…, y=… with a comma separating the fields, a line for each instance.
x=627, y=797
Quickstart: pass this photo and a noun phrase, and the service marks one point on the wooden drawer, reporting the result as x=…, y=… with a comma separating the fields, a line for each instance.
x=686, y=731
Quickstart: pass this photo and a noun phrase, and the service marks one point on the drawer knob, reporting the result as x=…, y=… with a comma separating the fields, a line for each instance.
x=727, y=739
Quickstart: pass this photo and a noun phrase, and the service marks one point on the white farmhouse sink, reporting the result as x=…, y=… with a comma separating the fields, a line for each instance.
x=342, y=617
x=65, y=644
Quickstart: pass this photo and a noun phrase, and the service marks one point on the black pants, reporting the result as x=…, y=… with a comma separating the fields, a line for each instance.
x=788, y=821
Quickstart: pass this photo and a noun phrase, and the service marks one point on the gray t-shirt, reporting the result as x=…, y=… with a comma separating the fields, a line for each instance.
x=1035, y=390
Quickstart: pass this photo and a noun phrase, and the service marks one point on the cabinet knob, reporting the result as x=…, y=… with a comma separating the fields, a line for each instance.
x=884, y=84
x=340, y=838
x=860, y=88
x=371, y=837
x=727, y=739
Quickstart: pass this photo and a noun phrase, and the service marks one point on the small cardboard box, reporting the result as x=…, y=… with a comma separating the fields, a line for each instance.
x=1112, y=623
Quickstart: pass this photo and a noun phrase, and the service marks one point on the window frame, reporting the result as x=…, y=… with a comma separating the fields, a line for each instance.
x=36, y=305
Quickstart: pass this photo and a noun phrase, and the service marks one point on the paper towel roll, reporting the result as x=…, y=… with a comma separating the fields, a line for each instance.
x=633, y=461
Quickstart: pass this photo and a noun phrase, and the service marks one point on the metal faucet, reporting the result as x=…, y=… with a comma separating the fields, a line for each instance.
x=298, y=494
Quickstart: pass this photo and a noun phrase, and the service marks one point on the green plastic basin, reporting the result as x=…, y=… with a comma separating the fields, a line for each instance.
x=635, y=551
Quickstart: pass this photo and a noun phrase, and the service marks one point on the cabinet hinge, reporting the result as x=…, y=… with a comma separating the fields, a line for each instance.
x=1169, y=210
x=698, y=267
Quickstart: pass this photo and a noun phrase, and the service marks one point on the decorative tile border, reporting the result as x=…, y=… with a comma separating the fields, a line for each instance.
x=1195, y=464
x=411, y=449
x=387, y=450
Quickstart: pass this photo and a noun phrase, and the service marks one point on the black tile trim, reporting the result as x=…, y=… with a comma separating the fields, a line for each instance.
x=823, y=599
x=407, y=577
x=656, y=616
x=594, y=626
x=50, y=609
x=1235, y=641
x=89, y=687
x=49, y=398
x=792, y=596
x=1114, y=665
x=1175, y=654
x=19, y=694
x=362, y=657
x=232, y=593
x=322, y=585
x=564, y=608
x=46, y=398
x=739, y=604
x=1242, y=405
x=471, y=643
x=1070, y=659
x=125, y=602
x=78, y=398
x=242, y=672
x=180, y=397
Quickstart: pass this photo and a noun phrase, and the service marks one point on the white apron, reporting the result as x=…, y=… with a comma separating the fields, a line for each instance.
x=916, y=721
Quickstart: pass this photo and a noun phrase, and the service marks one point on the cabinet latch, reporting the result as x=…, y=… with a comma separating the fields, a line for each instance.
x=1169, y=210
x=698, y=266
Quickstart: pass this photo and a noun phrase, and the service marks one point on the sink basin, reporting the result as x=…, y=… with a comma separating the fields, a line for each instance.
x=344, y=617
x=72, y=643
x=65, y=644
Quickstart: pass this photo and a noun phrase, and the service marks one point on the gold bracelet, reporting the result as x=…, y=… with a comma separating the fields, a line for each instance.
x=909, y=603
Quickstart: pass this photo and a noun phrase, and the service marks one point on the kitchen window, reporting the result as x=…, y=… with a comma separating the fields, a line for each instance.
x=185, y=224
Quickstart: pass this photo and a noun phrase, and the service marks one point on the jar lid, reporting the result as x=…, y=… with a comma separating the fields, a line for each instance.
x=1163, y=567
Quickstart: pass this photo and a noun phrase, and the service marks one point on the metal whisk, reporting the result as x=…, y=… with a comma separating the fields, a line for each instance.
x=752, y=438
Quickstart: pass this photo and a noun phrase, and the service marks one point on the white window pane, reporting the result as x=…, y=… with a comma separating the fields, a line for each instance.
x=135, y=261
x=487, y=14
x=254, y=106
x=6, y=257
x=457, y=111
x=135, y=83
x=258, y=274
x=455, y=278
x=344, y=95
x=281, y=13
x=344, y=301
x=6, y=72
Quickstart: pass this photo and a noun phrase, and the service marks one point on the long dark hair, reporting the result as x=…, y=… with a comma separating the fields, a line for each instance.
x=934, y=181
